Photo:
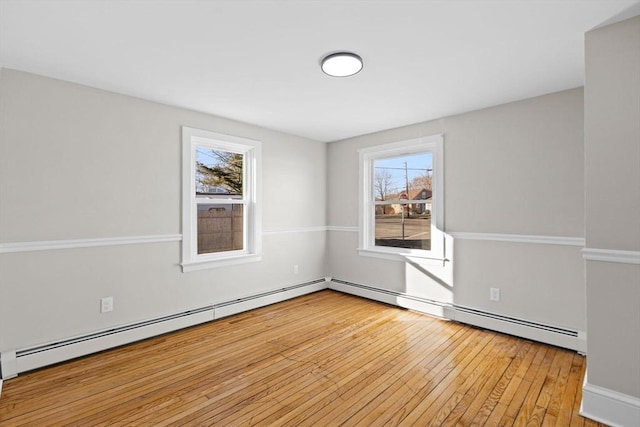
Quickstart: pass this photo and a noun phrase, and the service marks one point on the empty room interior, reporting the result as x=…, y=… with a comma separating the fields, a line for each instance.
x=206, y=218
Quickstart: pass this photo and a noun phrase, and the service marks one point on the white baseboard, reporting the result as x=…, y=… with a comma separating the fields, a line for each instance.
x=15, y=362
x=609, y=407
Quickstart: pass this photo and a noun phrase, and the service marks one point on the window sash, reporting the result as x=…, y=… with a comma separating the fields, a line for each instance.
x=191, y=259
x=223, y=199
x=368, y=156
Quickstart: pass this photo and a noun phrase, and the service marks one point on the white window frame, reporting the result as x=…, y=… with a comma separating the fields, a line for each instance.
x=367, y=157
x=252, y=229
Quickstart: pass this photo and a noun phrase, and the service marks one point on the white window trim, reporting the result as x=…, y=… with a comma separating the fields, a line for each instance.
x=367, y=156
x=252, y=150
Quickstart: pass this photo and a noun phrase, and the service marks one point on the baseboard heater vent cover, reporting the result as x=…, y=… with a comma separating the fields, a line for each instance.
x=530, y=324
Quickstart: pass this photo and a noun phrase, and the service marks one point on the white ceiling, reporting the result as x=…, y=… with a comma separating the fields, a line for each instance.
x=258, y=61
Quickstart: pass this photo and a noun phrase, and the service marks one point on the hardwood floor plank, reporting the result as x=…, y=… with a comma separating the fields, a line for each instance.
x=392, y=402
x=555, y=399
x=469, y=401
x=268, y=392
x=572, y=391
x=430, y=398
x=440, y=383
x=480, y=410
x=512, y=387
x=249, y=363
x=529, y=404
x=318, y=360
x=122, y=358
x=576, y=419
x=488, y=406
x=142, y=367
x=359, y=395
x=258, y=384
x=193, y=361
x=525, y=385
x=350, y=380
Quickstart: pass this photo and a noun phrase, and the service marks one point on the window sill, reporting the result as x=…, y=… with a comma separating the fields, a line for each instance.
x=400, y=256
x=219, y=262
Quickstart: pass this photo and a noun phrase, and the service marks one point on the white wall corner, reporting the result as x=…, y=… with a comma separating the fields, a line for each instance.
x=8, y=364
x=609, y=407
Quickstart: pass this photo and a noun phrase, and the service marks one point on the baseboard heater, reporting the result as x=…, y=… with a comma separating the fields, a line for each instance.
x=399, y=299
x=550, y=334
x=12, y=363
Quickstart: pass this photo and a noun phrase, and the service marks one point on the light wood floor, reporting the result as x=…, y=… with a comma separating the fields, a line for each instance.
x=324, y=359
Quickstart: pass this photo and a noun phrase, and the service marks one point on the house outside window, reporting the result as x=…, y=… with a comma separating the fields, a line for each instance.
x=401, y=213
x=221, y=214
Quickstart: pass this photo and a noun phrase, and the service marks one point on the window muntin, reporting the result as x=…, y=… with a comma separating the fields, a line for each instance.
x=221, y=221
x=400, y=199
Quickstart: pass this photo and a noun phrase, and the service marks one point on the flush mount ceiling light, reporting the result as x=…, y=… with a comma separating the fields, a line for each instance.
x=341, y=64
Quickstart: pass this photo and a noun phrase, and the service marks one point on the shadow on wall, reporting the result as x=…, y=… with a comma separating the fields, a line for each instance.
x=422, y=269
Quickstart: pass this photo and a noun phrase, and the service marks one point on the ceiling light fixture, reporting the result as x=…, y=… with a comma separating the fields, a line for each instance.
x=341, y=64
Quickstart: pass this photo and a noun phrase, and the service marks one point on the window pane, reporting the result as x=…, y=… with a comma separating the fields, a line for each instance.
x=403, y=226
x=218, y=172
x=403, y=177
x=220, y=227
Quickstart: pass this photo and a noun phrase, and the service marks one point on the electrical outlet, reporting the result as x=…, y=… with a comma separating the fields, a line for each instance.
x=296, y=270
x=106, y=304
x=494, y=294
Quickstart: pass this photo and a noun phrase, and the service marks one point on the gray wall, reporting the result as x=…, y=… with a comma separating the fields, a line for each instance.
x=81, y=163
x=612, y=159
x=514, y=169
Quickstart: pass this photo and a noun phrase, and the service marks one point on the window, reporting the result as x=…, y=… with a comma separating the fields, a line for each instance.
x=401, y=210
x=220, y=215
